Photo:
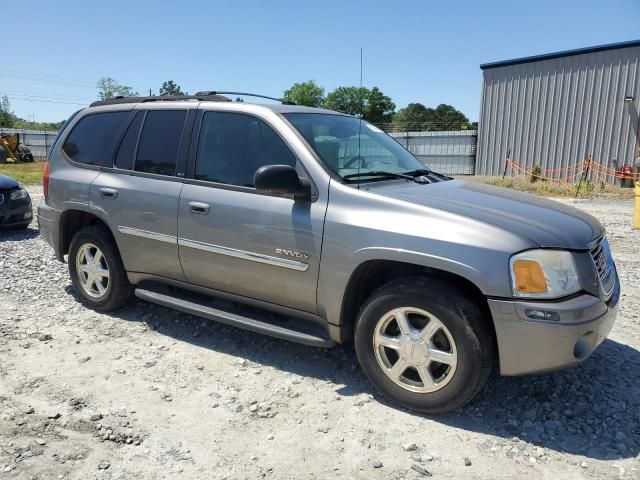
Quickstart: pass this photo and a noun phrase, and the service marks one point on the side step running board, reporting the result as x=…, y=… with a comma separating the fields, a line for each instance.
x=260, y=321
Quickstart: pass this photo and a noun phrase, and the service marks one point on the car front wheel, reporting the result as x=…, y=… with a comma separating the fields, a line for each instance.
x=424, y=344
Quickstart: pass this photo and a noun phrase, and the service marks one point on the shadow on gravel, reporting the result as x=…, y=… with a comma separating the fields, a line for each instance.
x=18, y=235
x=592, y=409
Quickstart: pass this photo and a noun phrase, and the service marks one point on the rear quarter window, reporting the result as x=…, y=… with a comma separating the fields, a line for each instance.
x=160, y=141
x=127, y=150
x=91, y=137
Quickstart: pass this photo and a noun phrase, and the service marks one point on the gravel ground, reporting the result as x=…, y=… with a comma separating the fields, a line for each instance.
x=152, y=393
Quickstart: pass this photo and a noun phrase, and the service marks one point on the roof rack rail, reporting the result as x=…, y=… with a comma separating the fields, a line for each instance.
x=202, y=96
x=214, y=92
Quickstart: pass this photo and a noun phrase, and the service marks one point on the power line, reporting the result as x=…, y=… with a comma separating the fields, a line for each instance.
x=46, y=77
x=36, y=77
x=54, y=96
x=45, y=101
x=44, y=80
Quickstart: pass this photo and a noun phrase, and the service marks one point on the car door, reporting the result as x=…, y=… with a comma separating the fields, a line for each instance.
x=139, y=195
x=239, y=241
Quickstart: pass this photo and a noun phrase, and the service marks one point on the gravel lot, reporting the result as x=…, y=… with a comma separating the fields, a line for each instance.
x=152, y=393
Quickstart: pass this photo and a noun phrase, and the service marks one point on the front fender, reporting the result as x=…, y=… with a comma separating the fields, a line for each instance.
x=362, y=226
x=418, y=258
x=335, y=275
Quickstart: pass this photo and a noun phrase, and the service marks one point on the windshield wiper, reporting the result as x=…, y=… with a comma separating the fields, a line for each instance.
x=382, y=173
x=428, y=173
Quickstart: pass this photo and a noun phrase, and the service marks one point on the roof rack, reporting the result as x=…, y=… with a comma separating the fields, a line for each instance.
x=202, y=96
x=213, y=92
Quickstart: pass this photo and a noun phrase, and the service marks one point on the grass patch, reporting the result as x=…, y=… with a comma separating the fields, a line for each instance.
x=27, y=173
x=551, y=189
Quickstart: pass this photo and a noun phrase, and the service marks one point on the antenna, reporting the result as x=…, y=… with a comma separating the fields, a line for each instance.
x=360, y=123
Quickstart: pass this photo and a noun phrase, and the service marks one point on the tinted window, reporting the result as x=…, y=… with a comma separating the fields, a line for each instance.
x=351, y=147
x=92, y=136
x=233, y=146
x=159, y=142
x=127, y=151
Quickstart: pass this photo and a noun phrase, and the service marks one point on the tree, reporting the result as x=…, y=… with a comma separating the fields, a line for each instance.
x=7, y=118
x=416, y=116
x=375, y=106
x=110, y=88
x=379, y=107
x=349, y=100
x=305, y=93
x=446, y=117
x=170, y=89
x=411, y=117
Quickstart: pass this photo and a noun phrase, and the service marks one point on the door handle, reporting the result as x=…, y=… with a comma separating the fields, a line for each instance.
x=109, y=192
x=199, y=207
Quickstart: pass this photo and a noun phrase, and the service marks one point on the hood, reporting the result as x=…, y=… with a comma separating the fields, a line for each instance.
x=545, y=222
x=7, y=182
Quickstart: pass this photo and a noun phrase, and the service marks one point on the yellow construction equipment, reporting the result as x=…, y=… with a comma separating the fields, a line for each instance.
x=12, y=151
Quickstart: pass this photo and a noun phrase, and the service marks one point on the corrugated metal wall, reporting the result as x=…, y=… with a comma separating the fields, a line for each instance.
x=449, y=152
x=555, y=112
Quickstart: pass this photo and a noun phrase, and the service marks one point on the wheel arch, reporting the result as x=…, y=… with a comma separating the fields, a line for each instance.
x=369, y=275
x=72, y=220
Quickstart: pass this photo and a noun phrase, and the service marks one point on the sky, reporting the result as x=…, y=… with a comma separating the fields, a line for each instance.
x=414, y=51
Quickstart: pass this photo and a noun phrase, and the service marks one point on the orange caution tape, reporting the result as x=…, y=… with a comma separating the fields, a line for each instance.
x=571, y=172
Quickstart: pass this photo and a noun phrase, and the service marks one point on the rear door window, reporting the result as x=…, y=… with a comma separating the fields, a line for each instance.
x=92, y=136
x=127, y=150
x=160, y=141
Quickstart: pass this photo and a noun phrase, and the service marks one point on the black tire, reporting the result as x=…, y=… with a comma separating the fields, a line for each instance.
x=3, y=155
x=25, y=154
x=119, y=291
x=463, y=319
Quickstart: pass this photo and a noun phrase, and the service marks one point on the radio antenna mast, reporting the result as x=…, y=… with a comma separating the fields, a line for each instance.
x=360, y=123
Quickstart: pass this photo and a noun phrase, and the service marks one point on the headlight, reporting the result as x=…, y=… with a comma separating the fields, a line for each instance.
x=544, y=274
x=18, y=194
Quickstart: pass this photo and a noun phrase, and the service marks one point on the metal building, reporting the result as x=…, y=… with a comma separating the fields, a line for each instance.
x=554, y=110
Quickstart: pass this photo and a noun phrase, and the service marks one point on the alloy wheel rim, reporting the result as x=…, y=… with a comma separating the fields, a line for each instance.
x=92, y=270
x=415, y=350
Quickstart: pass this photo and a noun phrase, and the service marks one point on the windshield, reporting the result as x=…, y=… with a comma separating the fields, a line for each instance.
x=337, y=141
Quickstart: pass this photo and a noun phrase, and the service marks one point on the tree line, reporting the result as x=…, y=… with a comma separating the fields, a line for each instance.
x=374, y=106
x=8, y=119
x=378, y=108
x=370, y=103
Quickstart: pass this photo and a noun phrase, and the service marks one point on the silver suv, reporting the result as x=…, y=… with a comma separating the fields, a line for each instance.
x=317, y=227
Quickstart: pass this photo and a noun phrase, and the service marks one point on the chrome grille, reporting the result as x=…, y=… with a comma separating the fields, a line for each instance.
x=603, y=262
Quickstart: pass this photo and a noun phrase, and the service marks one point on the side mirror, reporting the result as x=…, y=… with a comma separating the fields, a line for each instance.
x=281, y=180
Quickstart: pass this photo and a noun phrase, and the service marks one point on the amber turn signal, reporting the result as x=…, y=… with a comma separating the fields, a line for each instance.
x=529, y=277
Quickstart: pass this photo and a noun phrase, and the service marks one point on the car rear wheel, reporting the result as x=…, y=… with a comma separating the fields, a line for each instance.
x=424, y=344
x=96, y=270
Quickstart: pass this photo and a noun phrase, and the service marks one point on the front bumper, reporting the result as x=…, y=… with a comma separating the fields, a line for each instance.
x=15, y=213
x=534, y=346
